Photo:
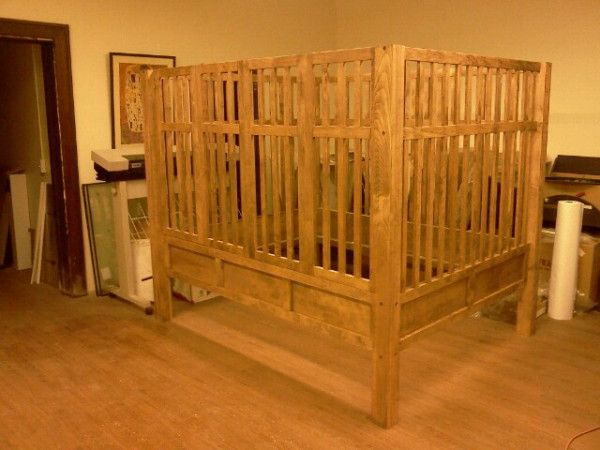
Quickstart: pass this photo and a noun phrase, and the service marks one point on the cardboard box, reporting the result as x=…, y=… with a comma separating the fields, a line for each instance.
x=589, y=192
x=588, y=278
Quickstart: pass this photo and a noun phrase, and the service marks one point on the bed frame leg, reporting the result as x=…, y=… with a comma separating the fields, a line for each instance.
x=386, y=382
x=526, y=309
x=526, y=312
x=163, y=298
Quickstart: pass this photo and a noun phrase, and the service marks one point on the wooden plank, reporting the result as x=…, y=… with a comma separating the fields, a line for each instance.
x=341, y=168
x=357, y=208
x=332, y=309
x=443, y=182
x=200, y=155
x=158, y=198
x=426, y=132
x=452, y=202
x=288, y=169
x=347, y=286
x=443, y=57
x=429, y=210
x=221, y=171
x=182, y=175
x=247, y=160
x=325, y=181
x=341, y=196
x=262, y=161
x=357, y=94
x=181, y=127
x=275, y=172
x=342, y=132
x=527, y=303
x=468, y=271
x=274, y=129
x=273, y=62
x=464, y=204
x=307, y=167
x=340, y=56
x=232, y=160
x=167, y=92
x=386, y=190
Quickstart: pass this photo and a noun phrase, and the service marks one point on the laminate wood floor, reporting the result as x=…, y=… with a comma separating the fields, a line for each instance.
x=98, y=373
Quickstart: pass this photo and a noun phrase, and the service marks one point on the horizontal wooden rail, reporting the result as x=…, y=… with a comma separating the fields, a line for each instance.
x=426, y=132
x=442, y=57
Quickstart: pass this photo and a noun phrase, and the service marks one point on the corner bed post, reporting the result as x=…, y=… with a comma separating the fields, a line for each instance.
x=526, y=311
x=157, y=205
x=385, y=153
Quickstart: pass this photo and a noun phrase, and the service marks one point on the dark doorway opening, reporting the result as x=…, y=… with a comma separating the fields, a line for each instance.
x=58, y=86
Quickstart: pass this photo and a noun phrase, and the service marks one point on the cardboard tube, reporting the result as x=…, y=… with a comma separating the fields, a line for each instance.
x=565, y=257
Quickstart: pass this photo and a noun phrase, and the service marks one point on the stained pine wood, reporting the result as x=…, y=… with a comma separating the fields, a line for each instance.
x=371, y=202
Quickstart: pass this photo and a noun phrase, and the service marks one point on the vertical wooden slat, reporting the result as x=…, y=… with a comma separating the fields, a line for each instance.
x=443, y=151
x=221, y=159
x=431, y=158
x=275, y=170
x=168, y=112
x=356, y=208
x=307, y=166
x=357, y=174
x=406, y=197
x=288, y=159
x=325, y=180
x=247, y=159
x=486, y=172
x=200, y=154
x=190, y=192
x=341, y=170
x=262, y=163
x=214, y=190
x=468, y=93
x=464, y=190
x=441, y=248
x=231, y=160
x=417, y=187
x=510, y=148
x=157, y=198
x=526, y=309
x=494, y=241
x=325, y=173
x=525, y=145
x=181, y=179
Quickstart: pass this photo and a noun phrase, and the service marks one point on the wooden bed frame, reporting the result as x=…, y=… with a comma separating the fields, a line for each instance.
x=372, y=194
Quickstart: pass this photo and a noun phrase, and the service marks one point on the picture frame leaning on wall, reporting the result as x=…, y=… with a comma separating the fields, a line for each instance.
x=126, y=95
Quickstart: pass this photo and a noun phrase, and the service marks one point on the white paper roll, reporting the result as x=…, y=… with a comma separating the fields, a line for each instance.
x=565, y=256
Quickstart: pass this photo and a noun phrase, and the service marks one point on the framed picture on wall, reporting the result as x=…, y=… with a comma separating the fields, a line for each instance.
x=126, y=71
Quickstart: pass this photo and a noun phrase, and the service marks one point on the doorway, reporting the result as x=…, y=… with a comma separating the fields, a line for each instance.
x=52, y=43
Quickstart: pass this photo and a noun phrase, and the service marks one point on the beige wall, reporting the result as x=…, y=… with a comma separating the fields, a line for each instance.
x=566, y=33
x=192, y=30
x=23, y=133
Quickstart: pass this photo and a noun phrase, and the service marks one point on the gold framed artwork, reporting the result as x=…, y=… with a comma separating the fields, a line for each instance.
x=126, y=70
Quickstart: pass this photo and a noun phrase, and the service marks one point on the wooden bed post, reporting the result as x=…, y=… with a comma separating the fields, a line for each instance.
x=307, y=167
x=247, y=161
x=157, y=204
x=385, y=154
x=526, y=311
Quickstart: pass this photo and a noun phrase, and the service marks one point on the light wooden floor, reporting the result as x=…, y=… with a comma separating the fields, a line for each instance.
x=98, y=373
